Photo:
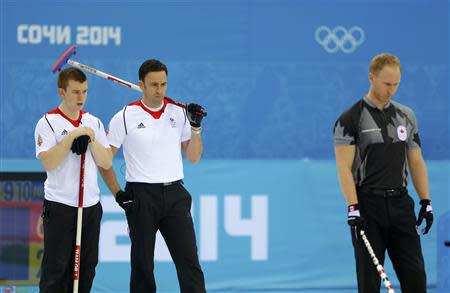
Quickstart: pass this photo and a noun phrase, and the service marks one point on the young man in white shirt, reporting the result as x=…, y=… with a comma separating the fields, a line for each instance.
x=61, y=136
x=154, y=131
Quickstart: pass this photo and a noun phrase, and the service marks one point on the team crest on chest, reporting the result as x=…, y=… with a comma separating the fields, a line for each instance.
x=173, y=123
x=401, y=133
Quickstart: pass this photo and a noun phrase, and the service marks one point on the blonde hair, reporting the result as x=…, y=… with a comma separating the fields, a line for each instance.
x=378, y=62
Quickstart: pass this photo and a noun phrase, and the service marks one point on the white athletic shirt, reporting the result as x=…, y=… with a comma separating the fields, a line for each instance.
x=151, y=141
x=62, y=184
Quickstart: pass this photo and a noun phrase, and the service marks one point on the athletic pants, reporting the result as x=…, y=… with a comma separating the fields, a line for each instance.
x=390, y=225
x=60, y=226
x=165, y=208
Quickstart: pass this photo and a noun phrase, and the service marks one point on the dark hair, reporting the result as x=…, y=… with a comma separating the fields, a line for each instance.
x=151, y=65
x=70, y=73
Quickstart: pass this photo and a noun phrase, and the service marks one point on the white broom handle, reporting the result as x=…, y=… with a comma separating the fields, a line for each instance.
x=76, y=276
x=76, y=269
x=377, y=264
x=104, y=75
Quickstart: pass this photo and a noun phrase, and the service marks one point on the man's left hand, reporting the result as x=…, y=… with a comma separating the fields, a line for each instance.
x=80, y=144
x=426, y=212
x=195, y=114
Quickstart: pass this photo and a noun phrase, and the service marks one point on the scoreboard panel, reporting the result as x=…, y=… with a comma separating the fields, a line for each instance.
x=21, y=229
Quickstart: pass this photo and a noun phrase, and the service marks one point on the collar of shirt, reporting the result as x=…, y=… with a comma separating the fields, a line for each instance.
x=369, y=102
x=155, y=113
x=75, y=123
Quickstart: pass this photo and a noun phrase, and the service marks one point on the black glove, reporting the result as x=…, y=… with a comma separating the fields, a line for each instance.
x=125, y=200
x=355, y=221
x=195, y=114
x=426, y=212
x=80, y=144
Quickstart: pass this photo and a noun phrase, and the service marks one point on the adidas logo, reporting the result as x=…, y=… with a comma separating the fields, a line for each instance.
x=141, y=125
x=64, y=132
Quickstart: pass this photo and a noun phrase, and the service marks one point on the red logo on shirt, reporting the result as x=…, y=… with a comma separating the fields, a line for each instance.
x=39, y=140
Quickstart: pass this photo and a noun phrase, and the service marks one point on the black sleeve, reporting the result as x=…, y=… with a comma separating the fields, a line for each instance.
x=346, y=129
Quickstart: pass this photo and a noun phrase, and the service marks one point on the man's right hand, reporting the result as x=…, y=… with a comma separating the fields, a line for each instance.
x=355, y=221
x=125, y=200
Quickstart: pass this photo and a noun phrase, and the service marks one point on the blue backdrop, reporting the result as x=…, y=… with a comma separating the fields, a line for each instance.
x=267, y=205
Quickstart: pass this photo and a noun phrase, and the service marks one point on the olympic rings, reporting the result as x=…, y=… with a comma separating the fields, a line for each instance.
x=339, y=38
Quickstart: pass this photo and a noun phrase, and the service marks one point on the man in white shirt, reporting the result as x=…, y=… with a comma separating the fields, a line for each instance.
x=154, y=131
x=61, y=135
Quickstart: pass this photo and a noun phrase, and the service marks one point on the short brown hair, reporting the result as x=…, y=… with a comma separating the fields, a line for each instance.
x=70, y=73
x=378, y=62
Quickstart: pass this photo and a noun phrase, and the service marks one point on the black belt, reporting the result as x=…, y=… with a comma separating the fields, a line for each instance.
x=395, y=192
x=167, y=183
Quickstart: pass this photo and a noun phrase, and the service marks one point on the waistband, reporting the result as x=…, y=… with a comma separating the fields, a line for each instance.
x=166, y=183
x=395, y=192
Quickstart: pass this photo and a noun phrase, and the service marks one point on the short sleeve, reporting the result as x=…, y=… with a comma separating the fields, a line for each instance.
x=44, y=137
x=345, y=130
x=101, y=135
x=186, y=134
x=116, y=130
x=413, y=130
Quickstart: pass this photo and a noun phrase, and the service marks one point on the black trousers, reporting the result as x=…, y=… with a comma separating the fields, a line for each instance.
x=60, y=226
x=391, y=226
x=167, y=209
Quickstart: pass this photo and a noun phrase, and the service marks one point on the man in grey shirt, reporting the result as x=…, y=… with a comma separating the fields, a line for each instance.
x=376, y=142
